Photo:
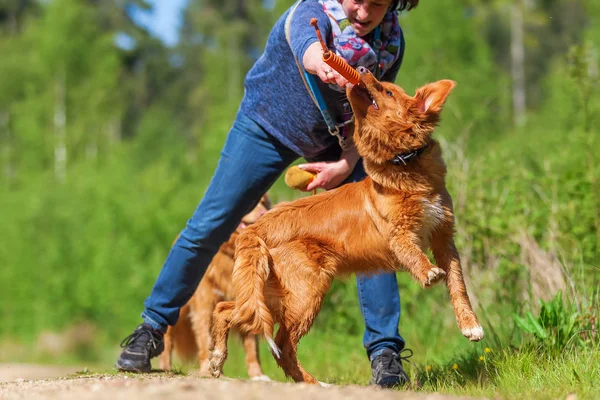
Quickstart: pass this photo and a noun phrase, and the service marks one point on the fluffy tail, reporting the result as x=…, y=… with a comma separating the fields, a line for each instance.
x=185, y=345
x=250, y=273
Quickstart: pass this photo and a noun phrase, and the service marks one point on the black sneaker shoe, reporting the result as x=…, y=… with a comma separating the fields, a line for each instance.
x=387, y=369
x=138, y=348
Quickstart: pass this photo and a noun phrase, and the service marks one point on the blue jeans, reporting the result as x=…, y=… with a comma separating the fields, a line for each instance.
x=250, y=162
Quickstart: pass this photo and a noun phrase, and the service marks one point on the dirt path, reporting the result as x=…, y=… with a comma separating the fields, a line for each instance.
x=40, y=382
x=20, y=372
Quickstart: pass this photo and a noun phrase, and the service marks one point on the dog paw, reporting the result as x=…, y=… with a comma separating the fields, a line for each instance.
x=215, y=365
x=474, y=334
x=261, y=378
x=214, y=368
x=215, y=372
x=434, y=275
x=323, y=384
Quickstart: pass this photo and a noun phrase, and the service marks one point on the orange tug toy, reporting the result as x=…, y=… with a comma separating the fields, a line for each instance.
x=334, y=61
x=295, y=177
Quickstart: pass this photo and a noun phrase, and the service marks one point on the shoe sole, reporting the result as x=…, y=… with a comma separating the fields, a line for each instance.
x=389, y=382
x=132, y=369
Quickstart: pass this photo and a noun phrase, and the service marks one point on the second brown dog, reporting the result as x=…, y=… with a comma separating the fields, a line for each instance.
x=190, y=337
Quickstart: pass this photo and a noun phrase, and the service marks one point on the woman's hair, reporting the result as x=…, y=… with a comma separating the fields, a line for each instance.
x=401, y=5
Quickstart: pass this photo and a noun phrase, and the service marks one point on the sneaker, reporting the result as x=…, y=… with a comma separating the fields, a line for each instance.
x=139, y=347
x=387, y=369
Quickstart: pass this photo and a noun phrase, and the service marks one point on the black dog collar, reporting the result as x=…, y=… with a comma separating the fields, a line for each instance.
x=405, y=158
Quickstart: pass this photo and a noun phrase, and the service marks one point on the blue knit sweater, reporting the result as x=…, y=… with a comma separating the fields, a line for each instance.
x=275, y=95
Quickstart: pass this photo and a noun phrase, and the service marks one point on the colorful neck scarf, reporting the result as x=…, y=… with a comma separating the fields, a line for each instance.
x=356, y=50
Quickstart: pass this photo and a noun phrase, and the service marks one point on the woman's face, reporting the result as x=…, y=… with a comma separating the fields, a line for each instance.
x=365, y=15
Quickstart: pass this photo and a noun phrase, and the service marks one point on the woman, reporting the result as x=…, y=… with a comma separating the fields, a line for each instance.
x=277, y=123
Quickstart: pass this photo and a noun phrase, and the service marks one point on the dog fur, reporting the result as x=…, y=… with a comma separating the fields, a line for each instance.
x=285, y=263
x=190, y=337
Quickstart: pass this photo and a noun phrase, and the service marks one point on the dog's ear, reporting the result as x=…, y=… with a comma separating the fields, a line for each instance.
x=431, y=97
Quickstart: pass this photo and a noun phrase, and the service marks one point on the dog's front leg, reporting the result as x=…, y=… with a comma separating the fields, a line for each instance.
x=446, y=257
x=165, y=356
x=406, y=247
x=201, y=325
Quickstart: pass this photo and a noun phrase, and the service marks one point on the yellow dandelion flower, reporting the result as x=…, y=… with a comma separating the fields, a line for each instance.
x=481, y=358
x=455, y=367
x=487, y=350
x=428, y=368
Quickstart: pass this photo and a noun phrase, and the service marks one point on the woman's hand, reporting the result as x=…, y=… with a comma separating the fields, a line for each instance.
x=329, y=174
x=313, y=63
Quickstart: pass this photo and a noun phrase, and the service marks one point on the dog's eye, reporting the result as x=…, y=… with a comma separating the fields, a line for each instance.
x=389, y=93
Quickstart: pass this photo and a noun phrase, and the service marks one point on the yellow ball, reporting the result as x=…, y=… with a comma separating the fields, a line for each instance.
x=297, y=178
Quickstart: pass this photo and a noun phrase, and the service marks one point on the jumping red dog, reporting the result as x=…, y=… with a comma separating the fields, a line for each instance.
x=286, y=261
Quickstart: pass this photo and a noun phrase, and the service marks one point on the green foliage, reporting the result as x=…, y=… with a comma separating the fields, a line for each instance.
x=555, y=327
x=461, y=55
x=562, y=326
x=583, y=69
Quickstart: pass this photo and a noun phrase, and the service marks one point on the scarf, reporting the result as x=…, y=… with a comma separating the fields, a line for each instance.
x=356, y=50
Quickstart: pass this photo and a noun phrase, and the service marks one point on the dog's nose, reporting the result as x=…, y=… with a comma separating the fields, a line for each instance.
x=362, y=70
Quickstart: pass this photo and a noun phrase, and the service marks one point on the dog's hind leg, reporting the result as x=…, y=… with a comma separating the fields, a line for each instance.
x=252, y=358
x=305, y=294
x=447, y=258
x=288, y=361
x=220, y=332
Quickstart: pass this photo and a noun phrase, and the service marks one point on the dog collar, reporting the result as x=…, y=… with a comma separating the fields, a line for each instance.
x=405, y=158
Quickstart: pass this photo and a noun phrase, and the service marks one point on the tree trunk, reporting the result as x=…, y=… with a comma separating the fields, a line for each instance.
x=517, y=52
x=114, y=131
x=9, y=171
x=91, y=148
x=60, y=128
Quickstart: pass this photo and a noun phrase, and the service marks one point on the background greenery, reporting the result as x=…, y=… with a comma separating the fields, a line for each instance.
x=108, y=139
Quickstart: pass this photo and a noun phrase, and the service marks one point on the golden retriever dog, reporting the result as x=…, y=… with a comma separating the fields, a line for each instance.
x=190, y=337
x=285, y=263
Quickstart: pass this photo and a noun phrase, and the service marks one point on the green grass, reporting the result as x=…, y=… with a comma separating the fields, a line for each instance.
x=519, y=373
x=482, y=371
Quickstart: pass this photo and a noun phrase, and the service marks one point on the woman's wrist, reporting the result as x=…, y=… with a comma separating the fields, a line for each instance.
x=312, y=58
x=350, y=157
x=314, y=64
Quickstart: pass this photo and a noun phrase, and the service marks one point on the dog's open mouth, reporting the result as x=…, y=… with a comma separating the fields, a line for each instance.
x=363, y=92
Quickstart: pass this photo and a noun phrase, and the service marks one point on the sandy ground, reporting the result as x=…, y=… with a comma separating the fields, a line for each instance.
x=20, y=372
x=18, y=381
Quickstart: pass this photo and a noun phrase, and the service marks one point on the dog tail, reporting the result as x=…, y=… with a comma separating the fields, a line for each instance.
x=252, y=268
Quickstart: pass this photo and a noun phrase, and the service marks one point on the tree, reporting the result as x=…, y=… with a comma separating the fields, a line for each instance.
x=219, y=41
x=71, y=90
x=525, y=35
x=13, y=13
